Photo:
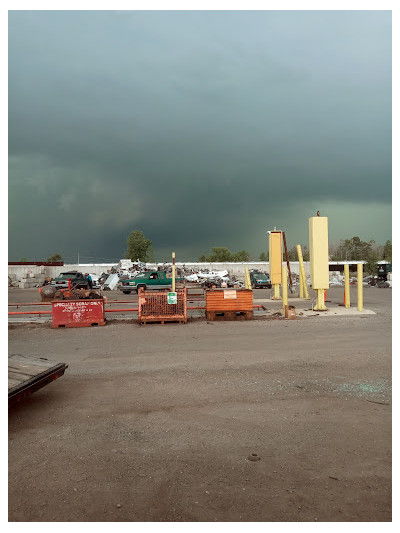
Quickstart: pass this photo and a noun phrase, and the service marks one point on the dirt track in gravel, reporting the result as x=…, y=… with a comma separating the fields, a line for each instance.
x=157, y=423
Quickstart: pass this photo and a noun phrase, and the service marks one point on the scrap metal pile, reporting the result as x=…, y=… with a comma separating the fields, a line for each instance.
x=205, y=278
x=49, y=292
x=213, y=279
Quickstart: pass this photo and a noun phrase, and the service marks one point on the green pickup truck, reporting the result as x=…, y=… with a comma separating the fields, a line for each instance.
x=151, y=280
x=259, y=280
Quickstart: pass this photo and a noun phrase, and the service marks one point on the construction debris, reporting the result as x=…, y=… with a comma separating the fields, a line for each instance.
x=111, y=282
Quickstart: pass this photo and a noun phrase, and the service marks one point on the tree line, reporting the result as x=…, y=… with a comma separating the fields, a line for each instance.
x=354, y=249
x=52, y=258
x=140, y=248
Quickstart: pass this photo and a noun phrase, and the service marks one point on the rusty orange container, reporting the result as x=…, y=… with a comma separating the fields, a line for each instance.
x=78, y=313
x=229, y=304
x=154, y=306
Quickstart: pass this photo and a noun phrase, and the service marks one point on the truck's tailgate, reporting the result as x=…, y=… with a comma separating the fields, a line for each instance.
x=28, y=374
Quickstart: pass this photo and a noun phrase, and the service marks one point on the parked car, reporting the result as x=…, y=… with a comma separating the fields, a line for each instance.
x=78, y=280
x=259, y=280
x=151, y=280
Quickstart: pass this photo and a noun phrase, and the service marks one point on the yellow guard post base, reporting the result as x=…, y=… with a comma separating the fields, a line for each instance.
x=302, y=275
x=320, y=305
x=276, y=295
x=301, y=290
x=173, y=272
x=346, y=286
x=247, y=281
x=284, y=290
x=360, y=303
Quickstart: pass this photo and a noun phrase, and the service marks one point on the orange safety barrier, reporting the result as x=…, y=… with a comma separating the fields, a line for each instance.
x=30, y=312
x=120, y=310
x=29, y=304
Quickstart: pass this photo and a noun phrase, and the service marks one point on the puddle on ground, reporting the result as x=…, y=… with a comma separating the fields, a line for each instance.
x=377, y=390
x=374, y=390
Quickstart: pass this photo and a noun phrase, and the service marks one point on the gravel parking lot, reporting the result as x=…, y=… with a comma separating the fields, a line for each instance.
x=263, y=420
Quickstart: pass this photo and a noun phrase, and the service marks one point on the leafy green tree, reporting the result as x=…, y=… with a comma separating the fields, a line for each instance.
x=371, y=266
x=306, y=253
x=220, y=254
x=353, y=249
x=241, y=256
x=138, y=247
x=292, y=253
x=387, y=251
x=55, y=257
x=264, y=256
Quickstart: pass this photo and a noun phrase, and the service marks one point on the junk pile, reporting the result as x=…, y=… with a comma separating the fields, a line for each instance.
x=212, y=279
x=12, y=280
x=295, y=279
x=336, y=279
x=111, y=282
x=49, y=292
x=127, y=269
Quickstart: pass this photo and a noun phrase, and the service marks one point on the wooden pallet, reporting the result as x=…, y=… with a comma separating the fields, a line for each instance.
x=158, y=320
x=229, y=315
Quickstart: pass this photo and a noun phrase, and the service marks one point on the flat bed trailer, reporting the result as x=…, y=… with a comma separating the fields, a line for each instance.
x=28, y=374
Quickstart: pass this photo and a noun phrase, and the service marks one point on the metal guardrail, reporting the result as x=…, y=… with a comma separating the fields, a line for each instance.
x=113, y=310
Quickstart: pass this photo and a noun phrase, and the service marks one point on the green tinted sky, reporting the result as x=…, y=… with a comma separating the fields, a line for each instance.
x=200, y=128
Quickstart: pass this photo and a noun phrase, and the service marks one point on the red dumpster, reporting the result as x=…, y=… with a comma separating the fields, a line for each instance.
x=78, y=313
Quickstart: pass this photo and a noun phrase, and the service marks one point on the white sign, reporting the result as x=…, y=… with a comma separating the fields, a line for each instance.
x=230, y=294
x=172, y=298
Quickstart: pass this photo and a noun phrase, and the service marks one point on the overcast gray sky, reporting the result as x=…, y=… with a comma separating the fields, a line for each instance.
x=200, y=128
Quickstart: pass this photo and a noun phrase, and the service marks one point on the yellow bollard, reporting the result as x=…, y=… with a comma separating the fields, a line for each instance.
x=306, y=294
x=360, y=302
x=173, y=272
x=346, y=286
x=320, y=303
x=276, y=295
x=302, y=273
x=247, y=282
x=301, y=288
x=284, y=290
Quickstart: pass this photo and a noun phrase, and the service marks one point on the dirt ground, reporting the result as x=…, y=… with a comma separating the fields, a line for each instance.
x=159, y=423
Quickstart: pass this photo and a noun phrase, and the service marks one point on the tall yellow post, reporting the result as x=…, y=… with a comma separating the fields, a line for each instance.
x=319, y=258
x=301, y=288
x=284, y=290
x=247, y=281
x=360, y=302
x=302, y=272
x=275, y=261
x=346, y=286
x=173, y=272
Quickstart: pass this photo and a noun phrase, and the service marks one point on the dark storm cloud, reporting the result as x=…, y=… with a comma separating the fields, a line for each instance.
x=196, y=127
